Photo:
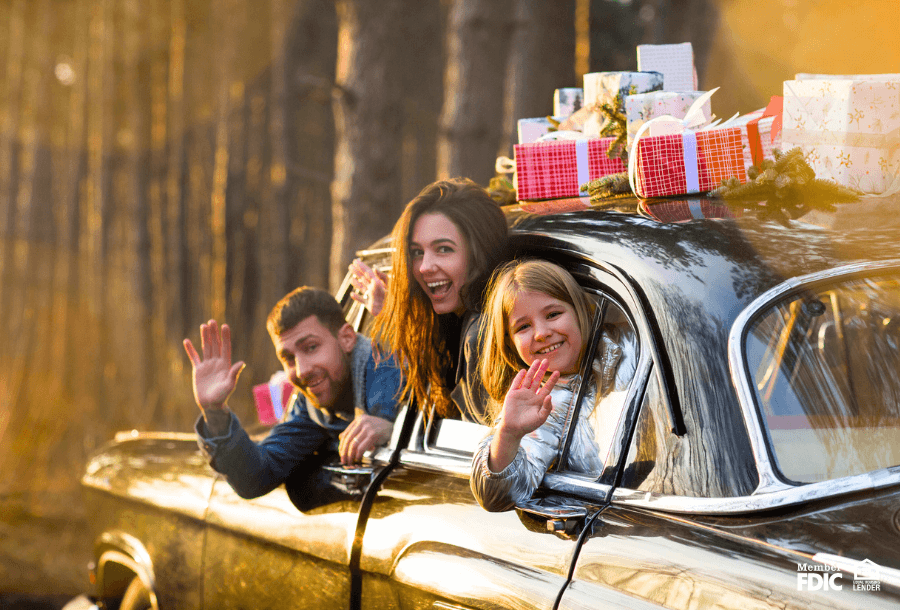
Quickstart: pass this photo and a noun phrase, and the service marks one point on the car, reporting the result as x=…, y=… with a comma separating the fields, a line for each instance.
x=752, y=460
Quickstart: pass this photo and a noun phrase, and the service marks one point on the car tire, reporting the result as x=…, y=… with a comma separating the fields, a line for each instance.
x=137, y=596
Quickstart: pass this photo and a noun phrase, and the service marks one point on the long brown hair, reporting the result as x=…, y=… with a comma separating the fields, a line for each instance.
x=500, y=361
x=407, y=326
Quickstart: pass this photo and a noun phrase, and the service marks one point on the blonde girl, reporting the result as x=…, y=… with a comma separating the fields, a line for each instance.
x=536, y=326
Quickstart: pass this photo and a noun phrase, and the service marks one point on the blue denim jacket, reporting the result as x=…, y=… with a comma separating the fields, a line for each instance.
x=254, y=469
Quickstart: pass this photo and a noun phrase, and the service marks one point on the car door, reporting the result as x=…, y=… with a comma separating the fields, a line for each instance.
x=429, y=544
x=265, y=553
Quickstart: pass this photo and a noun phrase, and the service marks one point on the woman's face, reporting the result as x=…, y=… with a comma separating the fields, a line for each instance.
x=542, y=327
x=439, y=259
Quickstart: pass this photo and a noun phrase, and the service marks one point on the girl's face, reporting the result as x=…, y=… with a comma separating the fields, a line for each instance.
x=439, y=259
x=542, y=327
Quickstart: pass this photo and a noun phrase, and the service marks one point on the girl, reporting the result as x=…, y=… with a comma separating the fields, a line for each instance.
x=538, y=320
x=446, y=244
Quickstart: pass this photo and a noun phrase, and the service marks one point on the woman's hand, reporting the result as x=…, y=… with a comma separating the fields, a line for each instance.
x=370, y=286
x=526, y=407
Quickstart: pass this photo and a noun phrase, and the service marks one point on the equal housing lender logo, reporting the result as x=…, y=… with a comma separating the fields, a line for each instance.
x=833, y=573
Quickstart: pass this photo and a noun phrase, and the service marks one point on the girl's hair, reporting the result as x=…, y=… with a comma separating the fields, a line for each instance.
x=407, y=326
x=500, y=361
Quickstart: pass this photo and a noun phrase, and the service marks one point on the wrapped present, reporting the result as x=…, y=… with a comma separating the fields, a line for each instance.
x=603, y=87
x=533, y=129
x=674, y=61
x=272, y=398
x=691, y=161
x=558, y=169
x=567, y=101
x=642, y=107
x=848, y=129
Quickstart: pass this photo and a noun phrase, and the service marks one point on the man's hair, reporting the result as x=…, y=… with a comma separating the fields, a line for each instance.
x=500, y=361
x=301, y=303
x=408, y=327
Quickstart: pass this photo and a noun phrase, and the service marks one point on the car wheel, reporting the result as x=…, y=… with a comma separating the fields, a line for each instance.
x=137, y=596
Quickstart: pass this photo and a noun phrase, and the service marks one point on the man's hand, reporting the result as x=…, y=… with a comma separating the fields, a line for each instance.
x=215, y=377
x=364, y=432
x=370, y=286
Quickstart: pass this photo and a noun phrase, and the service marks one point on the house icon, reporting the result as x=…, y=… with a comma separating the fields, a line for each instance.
x=867, y=570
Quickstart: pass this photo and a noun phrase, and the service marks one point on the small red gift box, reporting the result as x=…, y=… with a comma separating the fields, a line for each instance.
x=558, y=168
x=272, y=398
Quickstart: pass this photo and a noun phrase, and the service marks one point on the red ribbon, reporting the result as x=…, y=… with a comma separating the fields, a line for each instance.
x=774, y=109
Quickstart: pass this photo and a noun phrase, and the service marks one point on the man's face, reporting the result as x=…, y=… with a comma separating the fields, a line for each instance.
x=315, y=360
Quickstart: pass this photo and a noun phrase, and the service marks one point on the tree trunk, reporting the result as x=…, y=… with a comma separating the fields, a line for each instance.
x=423, y=93
x=478, y=36
x=541, y=60
x=366, y=187
x=310, y=49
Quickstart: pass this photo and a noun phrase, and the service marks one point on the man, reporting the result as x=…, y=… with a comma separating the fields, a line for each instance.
x=346, y=405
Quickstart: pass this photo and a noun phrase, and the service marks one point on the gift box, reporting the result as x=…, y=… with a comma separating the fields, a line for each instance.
x=532, y=129
x=697, y=161
x=272, y=398
x=642, y=107
x=558, y=169
x=567, y=101
x=674, y=61
x=603, y=87
x=848, y=129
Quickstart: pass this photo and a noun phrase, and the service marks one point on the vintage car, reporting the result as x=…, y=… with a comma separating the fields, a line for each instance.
x=752, y=461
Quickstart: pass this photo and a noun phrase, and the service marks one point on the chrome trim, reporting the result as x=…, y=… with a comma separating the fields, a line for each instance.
x=787, y=496
x=130, y=435
x=435, y=462
x=573, y=484
x=769, y=481
x=126, y=550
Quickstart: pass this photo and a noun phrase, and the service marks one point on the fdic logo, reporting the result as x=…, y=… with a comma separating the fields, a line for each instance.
x=826, y=577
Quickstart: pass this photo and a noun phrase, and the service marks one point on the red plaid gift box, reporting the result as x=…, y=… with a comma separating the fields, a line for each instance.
x=553, y=206
x=273, y=398
x=557, y=169
x=696, y=162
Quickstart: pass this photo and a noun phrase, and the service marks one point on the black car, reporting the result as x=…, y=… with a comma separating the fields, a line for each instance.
x=753, y=462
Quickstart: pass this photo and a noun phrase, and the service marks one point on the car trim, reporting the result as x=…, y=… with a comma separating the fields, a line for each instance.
x=125, y=550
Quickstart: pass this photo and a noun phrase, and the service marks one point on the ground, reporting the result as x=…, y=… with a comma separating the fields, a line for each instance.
x=44, y=551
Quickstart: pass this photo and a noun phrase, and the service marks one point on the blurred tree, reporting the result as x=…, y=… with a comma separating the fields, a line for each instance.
x=368, y=104
x=471, y=131
x=541, y=60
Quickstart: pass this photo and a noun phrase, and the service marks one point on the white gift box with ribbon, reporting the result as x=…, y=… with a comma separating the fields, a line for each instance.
x=848, y=129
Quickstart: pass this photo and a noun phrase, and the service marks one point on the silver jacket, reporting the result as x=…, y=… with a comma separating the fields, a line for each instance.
x=613, y=368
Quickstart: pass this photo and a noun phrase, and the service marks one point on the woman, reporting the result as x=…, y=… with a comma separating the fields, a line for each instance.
x=446, y=243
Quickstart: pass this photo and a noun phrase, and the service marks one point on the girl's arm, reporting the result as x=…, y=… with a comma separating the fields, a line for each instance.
x=525, y=408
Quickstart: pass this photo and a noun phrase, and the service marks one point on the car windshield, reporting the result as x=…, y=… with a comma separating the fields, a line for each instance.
x=826, y=370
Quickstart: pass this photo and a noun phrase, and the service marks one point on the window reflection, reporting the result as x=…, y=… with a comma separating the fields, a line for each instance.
x=825, y=369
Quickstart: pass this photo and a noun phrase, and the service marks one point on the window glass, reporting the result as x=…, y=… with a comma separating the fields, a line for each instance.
x=825, y=366
x=599, y=416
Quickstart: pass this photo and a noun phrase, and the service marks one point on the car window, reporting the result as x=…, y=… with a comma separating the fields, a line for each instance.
x=825, y=367
x=587, y=443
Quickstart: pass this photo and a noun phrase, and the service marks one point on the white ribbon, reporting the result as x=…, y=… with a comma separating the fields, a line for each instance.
x=693, y=121
x=504, y=165
x=581, y=160
x=691, y=171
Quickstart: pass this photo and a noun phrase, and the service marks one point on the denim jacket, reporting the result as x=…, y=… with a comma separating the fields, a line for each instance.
x=254, y=469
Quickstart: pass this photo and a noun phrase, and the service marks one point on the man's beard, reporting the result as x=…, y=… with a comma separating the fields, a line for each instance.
x=343, y=399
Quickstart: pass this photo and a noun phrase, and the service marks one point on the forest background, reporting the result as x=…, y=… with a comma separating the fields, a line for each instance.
x=163, y=162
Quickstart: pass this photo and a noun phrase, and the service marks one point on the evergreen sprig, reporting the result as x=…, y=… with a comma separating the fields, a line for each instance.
x=614, y=186
x=615, y=126
x=788, y=185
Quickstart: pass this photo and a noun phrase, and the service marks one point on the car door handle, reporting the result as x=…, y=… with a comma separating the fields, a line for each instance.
x=565, y=520
x=350, y=479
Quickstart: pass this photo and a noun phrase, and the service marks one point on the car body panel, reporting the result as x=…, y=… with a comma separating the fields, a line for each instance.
x=678, y=526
